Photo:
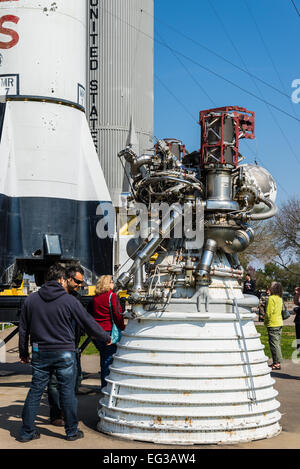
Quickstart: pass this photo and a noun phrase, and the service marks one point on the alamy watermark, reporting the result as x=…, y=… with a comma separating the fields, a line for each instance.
x=296, y=93
x=296, y=352
x=160, y=219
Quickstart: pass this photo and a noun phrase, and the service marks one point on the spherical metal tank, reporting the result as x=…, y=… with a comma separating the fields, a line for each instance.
x=120, y=82
x=260, y=178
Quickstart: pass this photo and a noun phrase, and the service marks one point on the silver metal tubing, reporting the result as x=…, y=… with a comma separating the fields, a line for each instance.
x=269, y=214
x=138, y=278
x=136, y=163
x=227, y=269
x=150, y=248
x=243, y=239
x=173, y=179
x=207, y=256
x=219, y=273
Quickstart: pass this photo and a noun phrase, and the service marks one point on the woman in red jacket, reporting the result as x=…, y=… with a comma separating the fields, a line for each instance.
x=104, y=291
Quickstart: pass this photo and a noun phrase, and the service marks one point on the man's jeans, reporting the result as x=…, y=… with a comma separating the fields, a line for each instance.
x=53, y=390
x=43, y=364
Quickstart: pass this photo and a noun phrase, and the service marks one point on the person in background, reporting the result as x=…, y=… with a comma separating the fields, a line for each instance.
x=249, y=285
x=274, y=322
x=297, y=315
x=262, y=305
x=46, y=318
x=74, y=281
x=104, y=291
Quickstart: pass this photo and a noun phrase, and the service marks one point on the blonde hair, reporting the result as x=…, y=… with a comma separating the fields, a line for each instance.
x=103, y=284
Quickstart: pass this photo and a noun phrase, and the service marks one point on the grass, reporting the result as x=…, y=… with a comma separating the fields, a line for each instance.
x=287, y=338
x=7, y=326
x=90, y=349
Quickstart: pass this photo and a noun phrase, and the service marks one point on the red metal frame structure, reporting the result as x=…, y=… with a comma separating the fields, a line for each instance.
x=242, y=122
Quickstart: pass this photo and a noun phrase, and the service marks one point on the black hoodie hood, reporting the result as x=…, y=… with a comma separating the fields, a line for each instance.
x=52, y=290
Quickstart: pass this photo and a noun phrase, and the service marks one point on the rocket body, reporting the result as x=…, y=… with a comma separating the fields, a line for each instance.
x=43, y=45
x=51, y=181
x=120, y=83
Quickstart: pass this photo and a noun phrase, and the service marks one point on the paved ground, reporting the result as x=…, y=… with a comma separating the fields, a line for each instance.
x=14, y=385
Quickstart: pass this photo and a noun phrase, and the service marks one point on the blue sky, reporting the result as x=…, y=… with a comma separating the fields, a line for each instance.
x=258, y=36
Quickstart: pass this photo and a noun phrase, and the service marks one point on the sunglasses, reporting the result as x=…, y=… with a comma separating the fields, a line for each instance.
x=79, y=282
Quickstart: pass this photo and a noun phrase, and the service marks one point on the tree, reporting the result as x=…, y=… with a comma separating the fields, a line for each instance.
x=278, y=240
x=286, y=231
x=273, y=272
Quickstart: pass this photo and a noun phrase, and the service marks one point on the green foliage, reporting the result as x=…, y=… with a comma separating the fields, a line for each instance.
x=272, y=272
x=277, y=241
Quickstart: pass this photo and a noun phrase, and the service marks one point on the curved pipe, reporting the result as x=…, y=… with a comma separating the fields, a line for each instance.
x=173, y=179
x=243, y=239
x=162, y=176
x=269, y=214
x=138, y=162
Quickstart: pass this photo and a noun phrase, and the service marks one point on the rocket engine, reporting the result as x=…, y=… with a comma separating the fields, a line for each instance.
x=212, y=180
x=190, y=368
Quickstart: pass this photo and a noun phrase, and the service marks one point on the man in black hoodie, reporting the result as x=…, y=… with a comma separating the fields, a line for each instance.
x=47, y=317
x=75, y=280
